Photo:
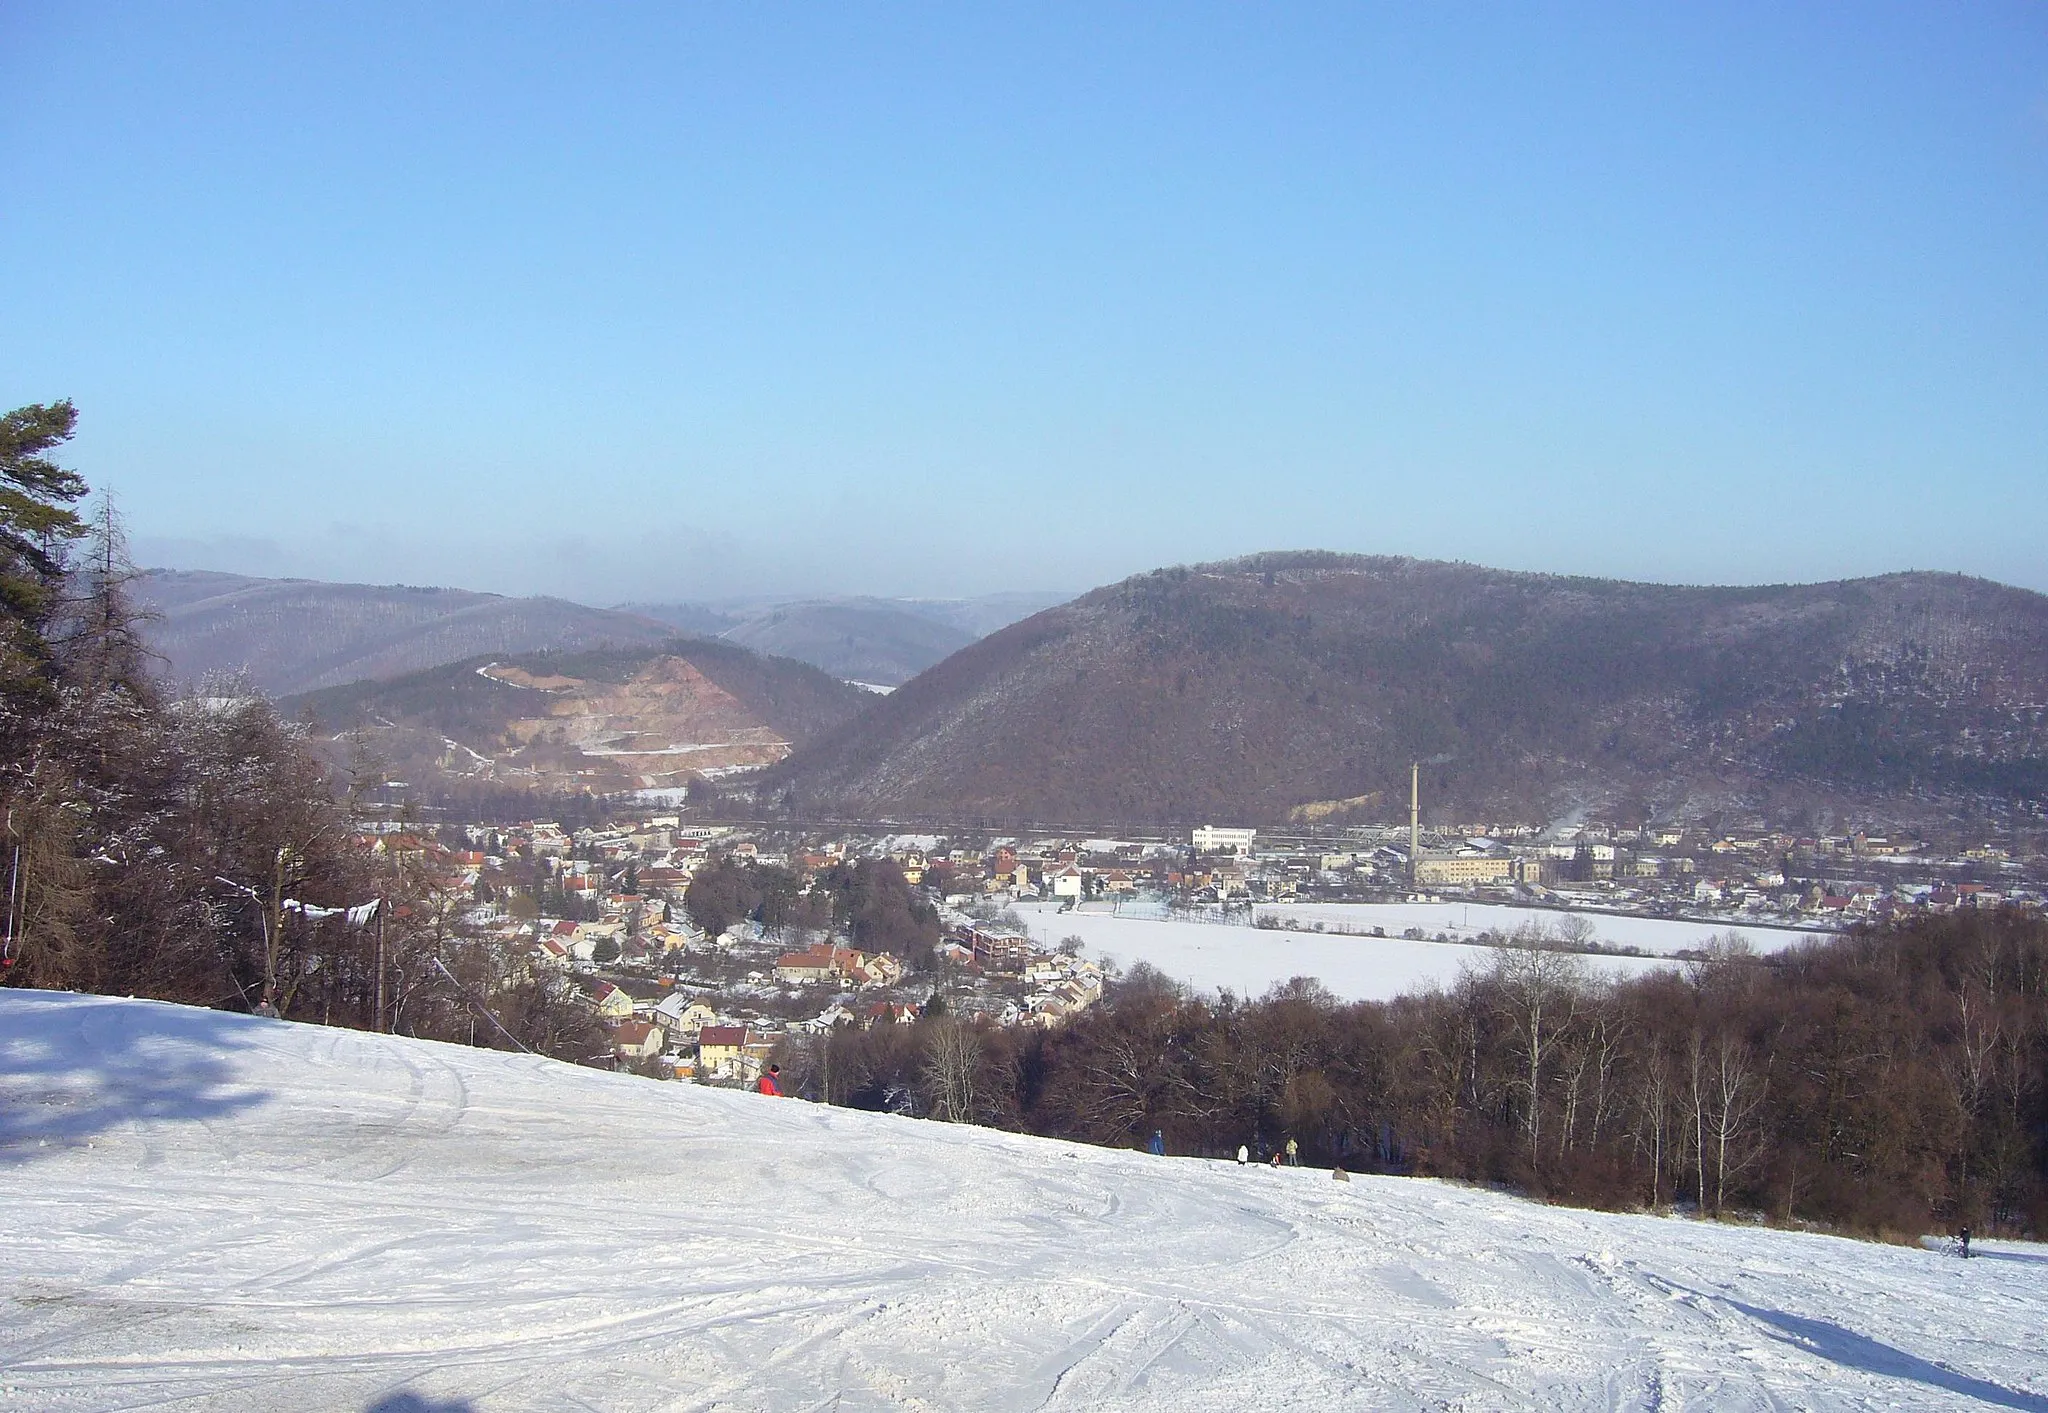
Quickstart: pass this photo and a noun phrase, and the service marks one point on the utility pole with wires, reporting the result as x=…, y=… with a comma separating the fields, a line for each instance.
x=267, y=1006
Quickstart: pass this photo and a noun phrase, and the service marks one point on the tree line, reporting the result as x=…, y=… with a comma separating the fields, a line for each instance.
x=192, y=845
x=867, y=900
x=1887, y=1081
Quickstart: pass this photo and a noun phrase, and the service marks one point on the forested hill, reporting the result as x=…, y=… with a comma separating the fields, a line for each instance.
x=299, y=635
x=302, y=635
x=877, y=641
x=1251, y=689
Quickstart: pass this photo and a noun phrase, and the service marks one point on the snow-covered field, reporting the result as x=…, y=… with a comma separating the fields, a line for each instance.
x=1248, y=960
x=212, y=1211
x=1458, y=920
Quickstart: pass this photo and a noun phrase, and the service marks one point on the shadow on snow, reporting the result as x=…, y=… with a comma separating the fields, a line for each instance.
x=1855, y=1351
x=2029, y=1257
x=74, y=1067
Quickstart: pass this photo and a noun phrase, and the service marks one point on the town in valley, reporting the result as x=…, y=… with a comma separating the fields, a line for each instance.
x=707, y=951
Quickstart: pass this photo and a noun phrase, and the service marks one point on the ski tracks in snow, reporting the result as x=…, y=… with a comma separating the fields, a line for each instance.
x=365, y=1215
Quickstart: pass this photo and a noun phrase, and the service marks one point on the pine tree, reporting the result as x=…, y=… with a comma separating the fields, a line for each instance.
x=36, y=524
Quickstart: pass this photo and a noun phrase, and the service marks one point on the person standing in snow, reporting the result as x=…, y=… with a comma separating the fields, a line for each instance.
x=1293, y=1153
x=1244, y=1154
x=769, y=1082
x=1963, y=1237
x=1156, y=1145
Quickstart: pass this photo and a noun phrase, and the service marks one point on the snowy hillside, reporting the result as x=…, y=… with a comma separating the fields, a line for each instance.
x=211, y=1211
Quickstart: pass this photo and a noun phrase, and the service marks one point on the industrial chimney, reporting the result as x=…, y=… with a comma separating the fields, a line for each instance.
x=1414, y=817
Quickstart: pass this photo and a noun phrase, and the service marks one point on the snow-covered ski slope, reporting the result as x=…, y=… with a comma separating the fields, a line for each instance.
x=210, y=1211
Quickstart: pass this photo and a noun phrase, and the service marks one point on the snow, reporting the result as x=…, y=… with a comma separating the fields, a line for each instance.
x=215, y=1211
x=1460, y=920
x=454, y=745
x=1211, y=956
x=898, y=843
x=686, y=749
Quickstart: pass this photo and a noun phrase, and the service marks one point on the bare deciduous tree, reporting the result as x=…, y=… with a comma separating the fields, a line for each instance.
x=1539, y=987
x=952, y=1072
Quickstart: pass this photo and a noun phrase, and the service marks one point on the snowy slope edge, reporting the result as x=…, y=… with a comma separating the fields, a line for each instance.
x=256, y=1214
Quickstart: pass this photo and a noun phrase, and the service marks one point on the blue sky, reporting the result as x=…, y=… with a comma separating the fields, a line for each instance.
x=686, y=301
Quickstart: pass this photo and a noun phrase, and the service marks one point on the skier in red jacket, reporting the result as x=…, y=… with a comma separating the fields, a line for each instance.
x=768, y=1083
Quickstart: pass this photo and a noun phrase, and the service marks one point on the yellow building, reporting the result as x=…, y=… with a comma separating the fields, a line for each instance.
x=1465, y=868
x=613, y=1005
x=719, y=1045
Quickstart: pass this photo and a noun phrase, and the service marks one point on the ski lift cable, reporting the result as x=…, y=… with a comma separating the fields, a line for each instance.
x=358, y=914
x=470, y=997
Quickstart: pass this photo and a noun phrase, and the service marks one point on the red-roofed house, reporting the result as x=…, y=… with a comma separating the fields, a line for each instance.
x=819, y=964
x=720, y=1045
x=613, y=1005
x=637, y=1040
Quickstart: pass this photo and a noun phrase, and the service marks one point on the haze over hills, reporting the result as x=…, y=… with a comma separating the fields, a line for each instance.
x=860, y=640
x=885, y=642
x=299, y=635
x=1305, y=684
x=604, y=721
x=1280, y=686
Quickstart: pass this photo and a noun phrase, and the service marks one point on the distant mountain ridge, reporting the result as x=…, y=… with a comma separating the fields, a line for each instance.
x=1264, y=687
x=300, y=635
x=858, y=640
x=885, y=642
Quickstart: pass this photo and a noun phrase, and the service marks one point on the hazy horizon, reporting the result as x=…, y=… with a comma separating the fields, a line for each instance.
x=683, y=305
x=484, y=574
